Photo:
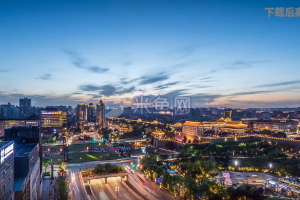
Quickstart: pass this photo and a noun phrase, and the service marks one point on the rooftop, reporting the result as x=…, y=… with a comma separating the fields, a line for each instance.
x=190, y=123
x=19, y=183
x=3, y=143
x=20, y=149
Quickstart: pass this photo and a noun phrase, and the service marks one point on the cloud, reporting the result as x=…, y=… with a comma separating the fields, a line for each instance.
x=89, y=88
x=45, y=77
x=164, y=86
x=97, y=69
x=5, y=70
x=106, y=90
x=146, y=80
x=126, y=63
x=280, y=84
x=206, y=78
x=81, y=63
x=245, y=64
x=126, y=82
x=77, y=93
x=251, y=92
x=187, y=50
x=126, y=90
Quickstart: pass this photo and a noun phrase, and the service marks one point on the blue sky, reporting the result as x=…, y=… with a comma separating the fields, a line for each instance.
x=221, y=53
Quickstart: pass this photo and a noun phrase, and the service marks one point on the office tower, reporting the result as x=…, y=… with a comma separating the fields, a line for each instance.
x=7, y=111
x=25, y=107
x=91, y=112
x=28, y=154
x=6, y=170
x=70, y=110
x=81, y=116
x=101, y=114
x=53, y=121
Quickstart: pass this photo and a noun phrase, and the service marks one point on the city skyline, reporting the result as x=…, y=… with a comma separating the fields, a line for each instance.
x=227, y=54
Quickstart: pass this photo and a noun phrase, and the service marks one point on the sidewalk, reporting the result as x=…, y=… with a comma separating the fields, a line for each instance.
x=48, y=189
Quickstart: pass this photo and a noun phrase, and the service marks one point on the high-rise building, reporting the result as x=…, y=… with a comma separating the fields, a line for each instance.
x=100, y=114
x=25, y=107
x=53, y=121
x=6, y=170
x=28, y=154
x=70, y=110
x=81, y=115
x=7, y=123
x=7, y=111
x=53, y=118
x=91, y=112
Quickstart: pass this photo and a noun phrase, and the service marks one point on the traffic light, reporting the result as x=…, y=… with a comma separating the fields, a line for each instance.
x=94, y=140
x=103, y=140
x=133, y=165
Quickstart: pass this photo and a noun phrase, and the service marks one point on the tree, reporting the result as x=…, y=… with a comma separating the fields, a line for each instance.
x=221, y=164
x=62, y=187
x=54, y=139
x=62, y=167
x=62, y=183
x=46, y=163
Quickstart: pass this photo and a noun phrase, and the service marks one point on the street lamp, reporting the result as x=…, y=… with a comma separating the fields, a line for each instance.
x=236, y=163
x=270, y=165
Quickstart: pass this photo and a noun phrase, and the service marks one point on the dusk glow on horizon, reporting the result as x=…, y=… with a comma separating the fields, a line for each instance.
x=218, y=53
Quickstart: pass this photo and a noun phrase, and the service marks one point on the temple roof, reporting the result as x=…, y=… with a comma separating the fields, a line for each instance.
x=190, y=123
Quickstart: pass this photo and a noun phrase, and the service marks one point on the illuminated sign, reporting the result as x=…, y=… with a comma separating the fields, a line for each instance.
x=51, y=113
x=6, y=152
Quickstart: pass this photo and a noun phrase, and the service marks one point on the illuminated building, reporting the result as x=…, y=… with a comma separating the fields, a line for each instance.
x=277, y=124
x=158, y=134
x=91, y=112
x=100, y=116
x=28, y=177
x=194, y=130
x=6, y=170
x=53, y=121
x=7, y=123
x=191, y=129
x=81, y=115
x=227, y=113
x=28, y=154
x=25, y=107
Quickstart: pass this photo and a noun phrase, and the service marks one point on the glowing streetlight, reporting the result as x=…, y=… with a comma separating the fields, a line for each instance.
x=236, y=162
x=270, y=165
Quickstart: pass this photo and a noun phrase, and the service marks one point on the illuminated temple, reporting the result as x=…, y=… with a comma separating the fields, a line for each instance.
x=194, y=130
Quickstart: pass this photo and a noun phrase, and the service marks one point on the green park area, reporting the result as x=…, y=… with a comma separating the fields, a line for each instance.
x=84, y=157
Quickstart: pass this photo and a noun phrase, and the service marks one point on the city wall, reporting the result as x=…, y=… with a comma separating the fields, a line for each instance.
x=272, y=140
x=205, y=140
x=178, y=145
